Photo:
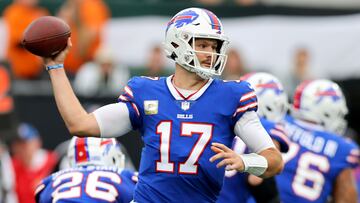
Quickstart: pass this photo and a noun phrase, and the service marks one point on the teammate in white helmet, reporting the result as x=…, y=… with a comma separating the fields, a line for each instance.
x=96, y=174
x=320, y=161
x=272, y=108
x=187, y=120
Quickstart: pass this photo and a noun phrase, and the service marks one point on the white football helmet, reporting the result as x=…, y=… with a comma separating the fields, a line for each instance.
x=95, y=151
x=272, y=99
x=182, y=31
x=322, y=102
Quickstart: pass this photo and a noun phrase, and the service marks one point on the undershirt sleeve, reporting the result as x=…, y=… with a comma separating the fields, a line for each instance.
x=113, y=120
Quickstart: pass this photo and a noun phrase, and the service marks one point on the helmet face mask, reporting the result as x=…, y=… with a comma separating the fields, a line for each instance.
x=95, y=151
x=272, y=99
x=217, y=60
x=321, y=102
x=184, y=29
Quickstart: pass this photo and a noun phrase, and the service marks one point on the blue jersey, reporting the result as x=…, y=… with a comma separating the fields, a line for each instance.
x=178, y=131
x=277, y=133
x=87, y=184
x=313, y=162
x=235, y=187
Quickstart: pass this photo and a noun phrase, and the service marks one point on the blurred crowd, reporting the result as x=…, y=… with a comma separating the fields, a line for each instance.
x=86, y=35
x=90, y=60
x=94, y=71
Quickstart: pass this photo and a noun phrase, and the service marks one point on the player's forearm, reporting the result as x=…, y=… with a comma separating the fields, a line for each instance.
x=275, y=162
x=350, y=196
x=68, y=105
x=345, y=187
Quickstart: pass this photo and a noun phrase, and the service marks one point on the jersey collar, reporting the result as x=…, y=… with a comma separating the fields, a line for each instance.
x=178, y=96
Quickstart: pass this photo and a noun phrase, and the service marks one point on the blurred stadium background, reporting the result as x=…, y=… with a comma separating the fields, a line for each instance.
x=267, y=34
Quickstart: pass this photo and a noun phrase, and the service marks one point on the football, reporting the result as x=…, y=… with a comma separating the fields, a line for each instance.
x=46, y=36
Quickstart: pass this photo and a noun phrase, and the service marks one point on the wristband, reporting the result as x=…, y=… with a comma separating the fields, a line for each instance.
x=56, y=66
x=254, y=164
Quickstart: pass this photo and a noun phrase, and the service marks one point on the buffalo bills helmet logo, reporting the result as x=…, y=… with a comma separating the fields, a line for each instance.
x=182, y=19
x=271, y=85
x=328, y=93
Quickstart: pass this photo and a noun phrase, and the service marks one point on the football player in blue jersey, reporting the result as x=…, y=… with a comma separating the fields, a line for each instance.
x=272, y=108
x=96, y=175
x=320, y=161
x=187, y=120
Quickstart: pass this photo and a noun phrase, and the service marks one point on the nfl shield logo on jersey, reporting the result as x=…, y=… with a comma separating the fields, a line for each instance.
x=151, y=107
x=185, y=105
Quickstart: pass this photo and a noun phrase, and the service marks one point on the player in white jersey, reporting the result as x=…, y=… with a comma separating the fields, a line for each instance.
x=187, y=120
